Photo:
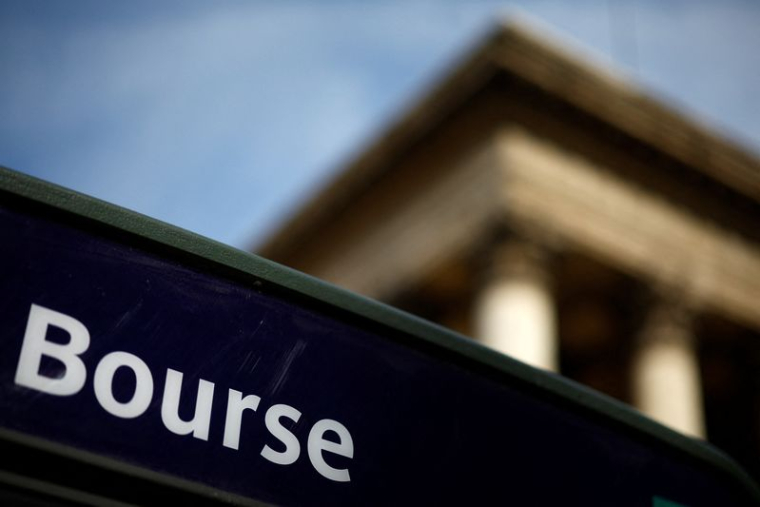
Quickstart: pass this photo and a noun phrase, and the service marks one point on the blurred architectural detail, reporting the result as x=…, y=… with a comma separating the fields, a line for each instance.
x=561, y=216
x=666, y=356
x=515, y=309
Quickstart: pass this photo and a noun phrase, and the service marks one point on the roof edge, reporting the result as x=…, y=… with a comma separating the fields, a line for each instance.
x=514, y=47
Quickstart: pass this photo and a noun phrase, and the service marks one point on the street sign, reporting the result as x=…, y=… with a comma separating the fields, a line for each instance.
x=139, y=362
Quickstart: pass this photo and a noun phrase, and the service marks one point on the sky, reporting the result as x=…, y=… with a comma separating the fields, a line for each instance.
x=223, y=117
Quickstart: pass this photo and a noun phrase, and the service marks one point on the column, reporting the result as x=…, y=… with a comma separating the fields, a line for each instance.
x=515, y=311
x=666, y=379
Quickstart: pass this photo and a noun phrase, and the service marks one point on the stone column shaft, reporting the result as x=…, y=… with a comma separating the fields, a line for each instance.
x=515, y=312
x=666, y=379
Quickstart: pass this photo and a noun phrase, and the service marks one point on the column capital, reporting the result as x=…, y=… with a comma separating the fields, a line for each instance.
x=520, y=258
x=669, y=316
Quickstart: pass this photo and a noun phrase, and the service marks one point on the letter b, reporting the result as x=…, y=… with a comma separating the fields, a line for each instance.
x=35, y=346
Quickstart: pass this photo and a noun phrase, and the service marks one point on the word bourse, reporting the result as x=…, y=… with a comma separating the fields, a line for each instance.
x=35, y=346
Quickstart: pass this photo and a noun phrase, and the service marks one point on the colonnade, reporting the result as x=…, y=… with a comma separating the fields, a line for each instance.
x=516, y=314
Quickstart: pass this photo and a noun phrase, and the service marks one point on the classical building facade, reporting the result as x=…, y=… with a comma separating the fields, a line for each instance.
x=551, y=211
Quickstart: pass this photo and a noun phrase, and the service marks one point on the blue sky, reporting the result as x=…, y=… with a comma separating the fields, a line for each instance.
x=221, y=117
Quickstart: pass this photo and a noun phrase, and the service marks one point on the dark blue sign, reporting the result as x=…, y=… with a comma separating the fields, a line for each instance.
x=114, y=346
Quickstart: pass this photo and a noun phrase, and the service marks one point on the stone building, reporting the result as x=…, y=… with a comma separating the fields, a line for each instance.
x=552, y=211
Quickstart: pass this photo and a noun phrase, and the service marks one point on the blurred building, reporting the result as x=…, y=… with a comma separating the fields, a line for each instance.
x=555, y=213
